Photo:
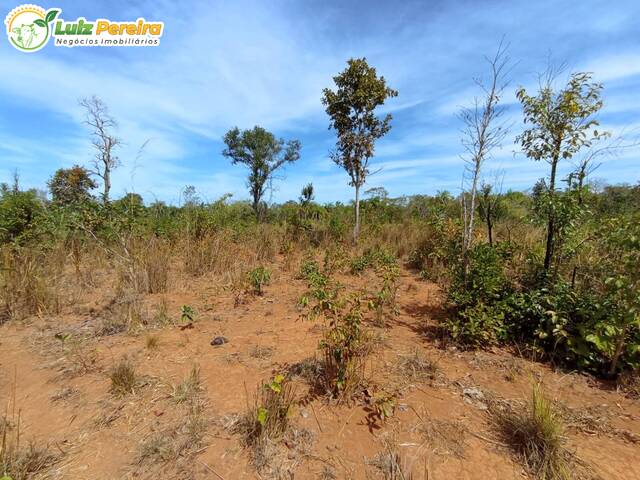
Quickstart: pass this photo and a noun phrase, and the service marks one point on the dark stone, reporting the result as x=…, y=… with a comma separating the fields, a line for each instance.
x=219, y=341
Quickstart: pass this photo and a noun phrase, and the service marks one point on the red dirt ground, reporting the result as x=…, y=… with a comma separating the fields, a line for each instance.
x=98, y=436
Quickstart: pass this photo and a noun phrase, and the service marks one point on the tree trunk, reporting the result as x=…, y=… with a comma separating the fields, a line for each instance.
x=107, y=184
x=618, y=352
x=356, y=228
x=490, y=230
x=256, y=205
x=548, y=254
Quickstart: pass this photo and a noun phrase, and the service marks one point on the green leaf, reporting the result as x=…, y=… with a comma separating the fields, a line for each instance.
x=262, y=416
x=51, y=15
x=39, y=22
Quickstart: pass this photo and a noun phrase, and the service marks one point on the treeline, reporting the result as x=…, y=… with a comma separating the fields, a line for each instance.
x=28, y=216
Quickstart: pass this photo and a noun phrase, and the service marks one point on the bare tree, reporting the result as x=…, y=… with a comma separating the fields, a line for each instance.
x=591, y=160
x=483, y=131
x=104, y=141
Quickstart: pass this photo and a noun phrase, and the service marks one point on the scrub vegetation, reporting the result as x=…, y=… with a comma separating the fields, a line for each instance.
x=383, y=297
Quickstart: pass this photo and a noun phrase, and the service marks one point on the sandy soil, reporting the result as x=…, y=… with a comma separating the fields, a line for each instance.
x=62, y=391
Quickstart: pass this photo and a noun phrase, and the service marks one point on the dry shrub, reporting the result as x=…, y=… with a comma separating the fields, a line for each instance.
x=311, y=370
x=415, y=367
x=123, y=378
x=213, y=253
x=535, y=433
x=155, y=261
x=264, y=240
x=26, y=287
x=124, y=314
x=81, y=358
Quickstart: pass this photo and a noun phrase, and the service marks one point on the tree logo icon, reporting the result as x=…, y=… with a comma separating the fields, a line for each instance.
x=28, y=27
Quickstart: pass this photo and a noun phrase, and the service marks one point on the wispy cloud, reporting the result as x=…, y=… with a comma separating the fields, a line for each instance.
x=245, y=63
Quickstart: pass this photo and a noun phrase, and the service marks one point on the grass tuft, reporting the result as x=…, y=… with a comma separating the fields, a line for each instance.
x=123, y=378
x=535, y=432
x=188, y=390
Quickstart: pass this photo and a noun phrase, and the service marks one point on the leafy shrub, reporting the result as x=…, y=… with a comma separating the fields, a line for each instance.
x=19, y=214
x=478, y=325
x=323, y=294
x=269, y=418
x=383, y=302
x=485, y=280
x=187, y=314
x=345, y=345
x=374, y=258
x=258, y=278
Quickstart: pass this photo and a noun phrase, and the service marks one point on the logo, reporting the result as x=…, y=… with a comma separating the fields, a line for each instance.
x=29, y=28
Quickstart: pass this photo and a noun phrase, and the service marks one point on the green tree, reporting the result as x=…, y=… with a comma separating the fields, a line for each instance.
x=19, y=212
x=263, y=154
x=561, y=124
x=306, y=195
x=351, y=108
x=71, y=186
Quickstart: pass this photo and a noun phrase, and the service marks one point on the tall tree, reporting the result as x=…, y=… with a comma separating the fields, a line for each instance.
x=71, y=186
x=351, y=108
x=483, y=131
x=104, y=141
x=263, y=154
x=561, y=124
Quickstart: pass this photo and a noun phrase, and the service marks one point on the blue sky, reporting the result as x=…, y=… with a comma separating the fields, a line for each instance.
x=225, y=64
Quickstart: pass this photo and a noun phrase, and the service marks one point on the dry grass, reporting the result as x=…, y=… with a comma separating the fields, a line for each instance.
x=276, y=446
x=18, y=462
x=124, y=314
x=26, y=287
x=415, y=367
x=213, y=253
x=629, y=383
x=178, y=442
x=123, y=378
x=535, y=433
x=261, y=352
x=155, y=262
x=311, y=370
x=151, y=342
x=444, y=437
x=189, y=389
x=391, y=464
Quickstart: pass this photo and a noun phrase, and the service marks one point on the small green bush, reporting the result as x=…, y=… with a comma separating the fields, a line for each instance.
x=479, y=325
x=258, y=278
